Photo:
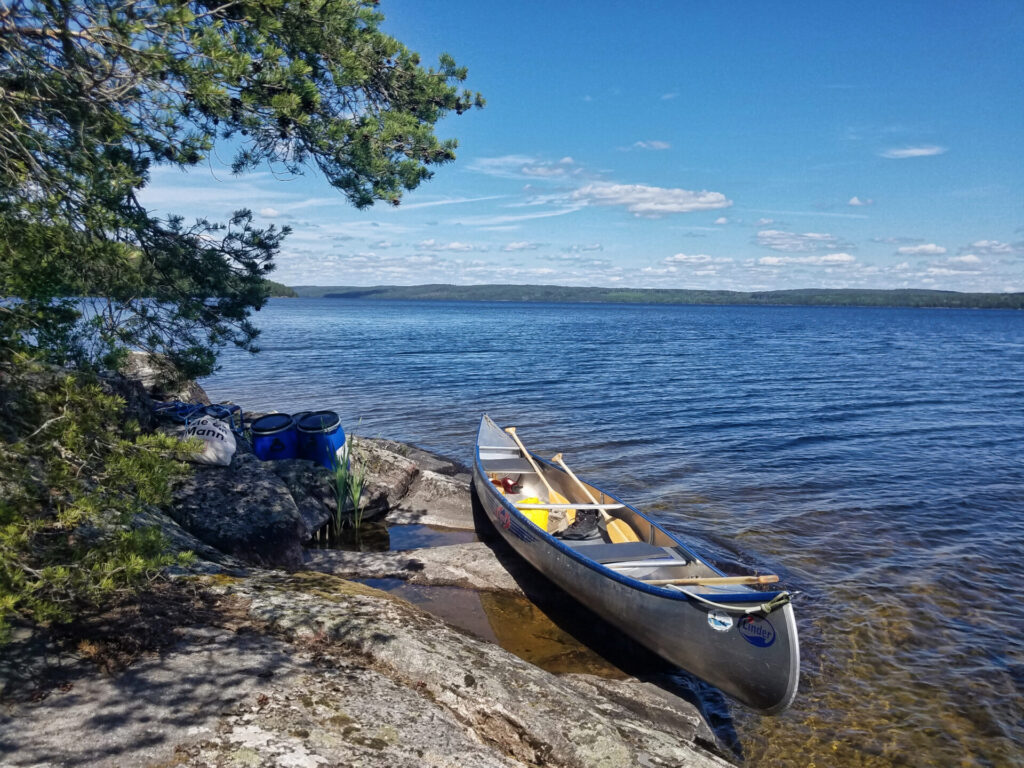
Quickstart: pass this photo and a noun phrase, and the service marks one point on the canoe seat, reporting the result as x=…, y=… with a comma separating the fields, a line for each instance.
x=505, y=465
x=606, y=554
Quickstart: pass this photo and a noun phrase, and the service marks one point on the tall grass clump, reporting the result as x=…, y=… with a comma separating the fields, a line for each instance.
x=349, y=480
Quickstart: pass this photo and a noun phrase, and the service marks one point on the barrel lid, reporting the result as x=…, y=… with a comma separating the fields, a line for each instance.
x=320, y=421
x=272, y=422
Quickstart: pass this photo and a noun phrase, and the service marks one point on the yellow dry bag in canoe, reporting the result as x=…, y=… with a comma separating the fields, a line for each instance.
x=538, y=517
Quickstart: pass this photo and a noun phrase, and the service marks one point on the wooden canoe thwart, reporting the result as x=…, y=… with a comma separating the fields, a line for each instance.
x=641, y=578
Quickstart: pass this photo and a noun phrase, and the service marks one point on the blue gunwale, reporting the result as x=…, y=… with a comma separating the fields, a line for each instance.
x=673, y=594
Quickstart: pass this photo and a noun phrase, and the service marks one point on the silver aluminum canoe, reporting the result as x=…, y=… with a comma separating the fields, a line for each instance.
x=742, y=641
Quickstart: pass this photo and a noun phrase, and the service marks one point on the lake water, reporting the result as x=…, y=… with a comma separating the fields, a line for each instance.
x=873, y=458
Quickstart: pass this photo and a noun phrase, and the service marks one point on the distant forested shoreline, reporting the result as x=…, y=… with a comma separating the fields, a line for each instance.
x=840, y=297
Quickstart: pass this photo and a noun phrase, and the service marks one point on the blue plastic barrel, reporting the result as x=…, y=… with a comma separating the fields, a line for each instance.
x=321, y=437
x=274, y=437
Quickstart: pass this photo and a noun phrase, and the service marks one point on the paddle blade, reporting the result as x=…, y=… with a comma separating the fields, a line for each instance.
x=621, y=532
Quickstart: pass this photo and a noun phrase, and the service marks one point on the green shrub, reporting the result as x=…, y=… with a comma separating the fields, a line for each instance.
x=74, y=472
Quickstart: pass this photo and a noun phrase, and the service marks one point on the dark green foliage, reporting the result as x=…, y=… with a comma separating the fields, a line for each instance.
x=853, y=297
x=98, y=92
x=280, y=290
x=93, y=95
x=74, y=472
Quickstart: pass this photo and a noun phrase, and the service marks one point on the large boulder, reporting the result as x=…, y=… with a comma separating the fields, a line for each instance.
x=312, y=490
x=208, y=559
x=423, y=459
x=244, y=510
x=435, y=499
x=388, y=475
x=414, y=486
x=161, y=380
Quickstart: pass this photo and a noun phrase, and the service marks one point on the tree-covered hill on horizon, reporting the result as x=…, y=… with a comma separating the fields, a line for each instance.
x=847, y=297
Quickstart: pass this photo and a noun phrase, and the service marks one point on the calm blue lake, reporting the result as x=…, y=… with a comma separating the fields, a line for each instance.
x=874, y=458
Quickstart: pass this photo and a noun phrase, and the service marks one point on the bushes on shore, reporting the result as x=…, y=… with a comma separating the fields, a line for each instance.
x=75, y=469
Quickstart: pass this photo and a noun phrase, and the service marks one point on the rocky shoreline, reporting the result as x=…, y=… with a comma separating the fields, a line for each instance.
x=306, y=666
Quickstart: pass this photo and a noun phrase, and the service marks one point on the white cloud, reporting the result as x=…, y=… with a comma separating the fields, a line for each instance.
x=969, y=258
x=856, y=201
x=684, y=258
x=447, y=201
x=269, y=212
x=928, y=249
x=643, y=200
x=696, y=258
x=384, y=244
x=815, y=260
x=544, y=171
x=521, y=245
x=763, y=222
x=584, y=248
x=669, y=96
x=897, y=240
x=791, y=242
x=652, y=144
x=994, y=248
x=492, y=222
x=905, y=152
x=721, y=220
x=434, y=245
x=524, y=166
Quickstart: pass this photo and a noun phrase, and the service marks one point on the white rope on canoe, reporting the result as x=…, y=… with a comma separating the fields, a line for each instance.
x=778, y=601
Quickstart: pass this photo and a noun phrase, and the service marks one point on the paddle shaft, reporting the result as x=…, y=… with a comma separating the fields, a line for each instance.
x=767, y=578
x=553, y=496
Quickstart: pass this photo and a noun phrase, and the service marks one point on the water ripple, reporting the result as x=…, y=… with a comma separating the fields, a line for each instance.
x=872, y=457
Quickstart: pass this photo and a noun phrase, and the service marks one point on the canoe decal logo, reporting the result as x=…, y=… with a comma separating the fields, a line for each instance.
x=756, y=631
x=504, y=518
x=720, y=621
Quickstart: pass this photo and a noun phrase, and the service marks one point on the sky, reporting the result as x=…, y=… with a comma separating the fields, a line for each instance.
x=728, y=146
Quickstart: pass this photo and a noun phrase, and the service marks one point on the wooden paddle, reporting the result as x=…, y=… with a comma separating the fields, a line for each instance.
x=767, y=578
x=554, y=497
x=619, y=531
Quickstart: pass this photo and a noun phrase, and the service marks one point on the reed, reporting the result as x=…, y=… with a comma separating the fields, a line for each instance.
x=349, y=480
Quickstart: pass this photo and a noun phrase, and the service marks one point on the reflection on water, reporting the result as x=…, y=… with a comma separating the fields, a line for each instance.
x=381, y=537
x=873, y=458
x=511, y=621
